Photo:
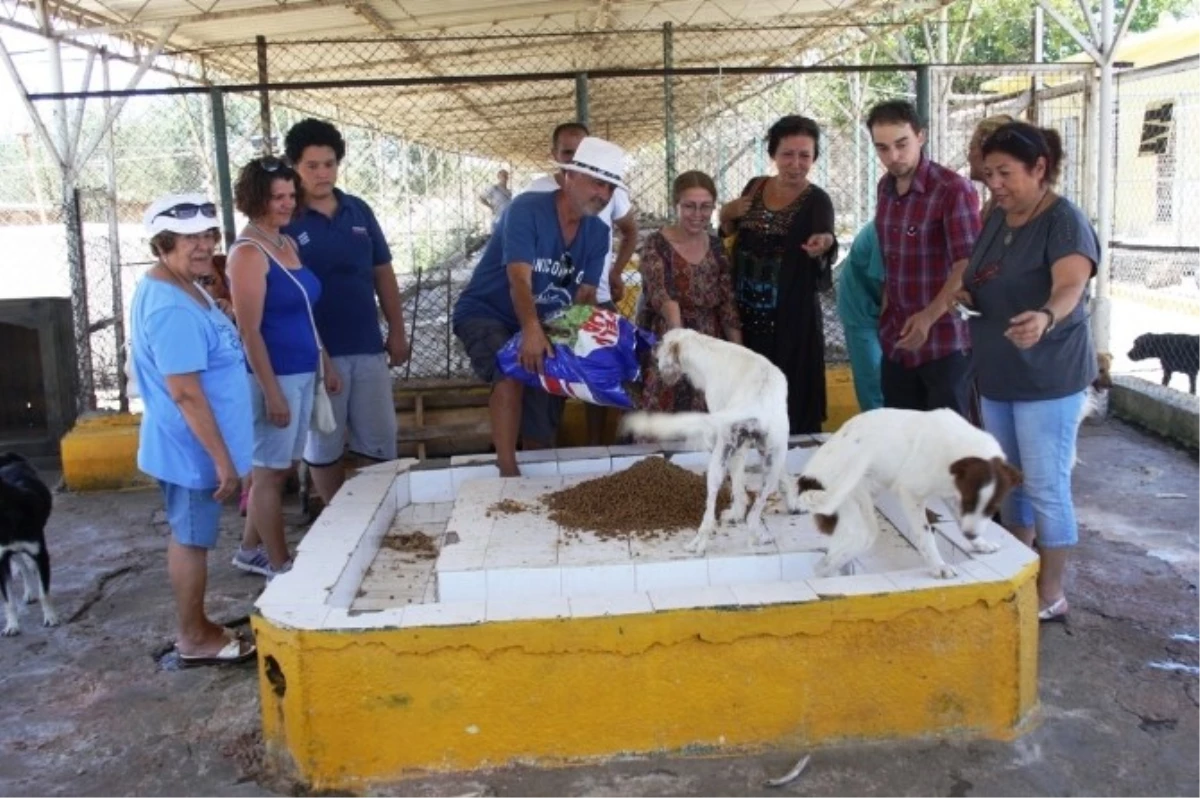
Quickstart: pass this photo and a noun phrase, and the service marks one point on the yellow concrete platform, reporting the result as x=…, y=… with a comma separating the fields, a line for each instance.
x=100, y=453
x=342, y=709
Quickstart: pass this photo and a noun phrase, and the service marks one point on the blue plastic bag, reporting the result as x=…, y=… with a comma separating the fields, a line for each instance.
x=597, y=357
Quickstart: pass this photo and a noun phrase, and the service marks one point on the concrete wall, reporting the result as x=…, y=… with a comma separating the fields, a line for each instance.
x=1157, y=408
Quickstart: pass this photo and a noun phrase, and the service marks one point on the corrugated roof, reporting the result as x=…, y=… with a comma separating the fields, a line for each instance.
x=356, y=40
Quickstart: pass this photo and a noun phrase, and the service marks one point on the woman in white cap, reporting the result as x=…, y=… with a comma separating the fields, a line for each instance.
x=196, y=434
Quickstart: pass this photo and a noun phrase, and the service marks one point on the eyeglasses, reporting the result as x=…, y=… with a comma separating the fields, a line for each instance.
x=692, y=207
x=188, y=210
x=206, y=280
x=998, y=136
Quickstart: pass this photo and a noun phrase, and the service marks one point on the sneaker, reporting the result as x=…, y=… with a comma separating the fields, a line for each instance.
x=253, y=562
x=274, y=572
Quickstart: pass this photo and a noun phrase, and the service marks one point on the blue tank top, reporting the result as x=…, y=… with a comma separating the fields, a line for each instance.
x=286, y=328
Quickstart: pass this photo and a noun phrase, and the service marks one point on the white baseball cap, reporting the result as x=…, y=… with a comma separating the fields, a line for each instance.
x=181, y=213
x=599, y=158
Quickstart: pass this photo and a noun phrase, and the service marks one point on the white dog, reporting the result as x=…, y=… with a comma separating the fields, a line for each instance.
x=916, y=455
x=747, y=401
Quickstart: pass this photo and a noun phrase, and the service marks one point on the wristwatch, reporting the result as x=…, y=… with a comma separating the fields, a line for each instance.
x=1049, y=314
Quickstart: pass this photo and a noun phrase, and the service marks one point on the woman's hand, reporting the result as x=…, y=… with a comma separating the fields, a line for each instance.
x=1026, y=329
x=736, y=209
x=333, y=380
x=278, y=412
x=818, y=244
x=535, y=347
x=963, y=297
x=228, y=482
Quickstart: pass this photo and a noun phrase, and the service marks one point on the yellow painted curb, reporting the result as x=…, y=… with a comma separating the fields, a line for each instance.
x=344, y=708
x=100, y=453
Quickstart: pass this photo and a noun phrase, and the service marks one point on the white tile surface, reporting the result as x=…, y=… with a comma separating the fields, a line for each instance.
x=583, y=453
x=597, y=466
x=392, y=618
x=519, y=609
x=691, y=459
x=653, y=576
x=457, y=613
x=922, y=579
x=616, y=604
x=433, y=485
x=589, y=580
x=472, y=459
x=537, y=456
x=302, y=616
x=459, y=475
x=632, y=449
x=401, y=492
x=520, y=557
x=796, y=566
x=585, y=549
x=851, y=585
x=686, y=597
x=774, y=593
x=744, y=570
x=457, y=558
x=523, y=583
x=462, y=586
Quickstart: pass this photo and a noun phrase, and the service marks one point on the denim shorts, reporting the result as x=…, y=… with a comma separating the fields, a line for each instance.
x=279, y=447
x=365, y=410
x=193, y=514
x=541, y=412
x=1039, y=438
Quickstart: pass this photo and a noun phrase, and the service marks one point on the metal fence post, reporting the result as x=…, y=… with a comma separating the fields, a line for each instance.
x=923, y=94
x=114, y=247
x=264, y=96
x=668, y=106
x=221, y=155
x=581, y=98
x=85, y=398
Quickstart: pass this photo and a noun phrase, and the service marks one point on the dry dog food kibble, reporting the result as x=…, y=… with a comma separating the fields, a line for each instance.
x=645, y=500
x=420, y=545
x=506, y=507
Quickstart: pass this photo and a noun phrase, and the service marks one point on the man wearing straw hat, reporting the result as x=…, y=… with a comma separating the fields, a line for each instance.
x=550, y=252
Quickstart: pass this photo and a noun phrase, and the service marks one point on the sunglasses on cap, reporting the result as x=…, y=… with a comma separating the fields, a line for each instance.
x=269, y=164
x=189, y=210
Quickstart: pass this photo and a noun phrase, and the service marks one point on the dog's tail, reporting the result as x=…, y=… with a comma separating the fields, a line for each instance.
x=698, y=428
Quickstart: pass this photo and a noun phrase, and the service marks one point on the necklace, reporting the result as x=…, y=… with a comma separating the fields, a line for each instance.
x=277, y=241
x=1009, y=231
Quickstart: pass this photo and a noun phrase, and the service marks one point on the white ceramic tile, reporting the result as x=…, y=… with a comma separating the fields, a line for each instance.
x=743, y=570
x=851, y=585
x=797, y=566
x=369, y=489
x=446, y=613
x=1009, y=560
x=598, y=579
x=537, y=456
x=596, y=466
x=309, y=616
x=342, y=619
x=456, y=558
x=668, y=547
x=523, y=582
x=979, y=570
x=472, y=459
x=617, y=604
x=585, y=549
x=433, y=485
x=737, y=541
x=691, y=459
x=922, y=579
x=330, y=534
x=796, y=533
x=401, y=492
x=583, y=453
x=653, y=576
x=462, y=586
x=520, y=556
x=773, y=593
x=686, y=597
x=519, y=609
x=391, y=467
x=632, y=450
x=539, y=468
x=462, y=474
x=442, y=511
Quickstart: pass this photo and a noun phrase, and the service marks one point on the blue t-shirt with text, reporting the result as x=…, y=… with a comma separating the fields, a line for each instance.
x=172, y=335
x=344, y=251
x=529, y=232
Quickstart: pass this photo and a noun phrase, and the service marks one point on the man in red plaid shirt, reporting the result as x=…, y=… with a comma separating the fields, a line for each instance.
x=927, y=218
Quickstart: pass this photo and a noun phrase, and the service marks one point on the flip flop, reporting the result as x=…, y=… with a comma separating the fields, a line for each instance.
x=1056, y=612
x=231, y=654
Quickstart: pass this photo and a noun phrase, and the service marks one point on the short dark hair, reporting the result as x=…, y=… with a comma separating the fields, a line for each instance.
x=252, y=191
x=693, y=179
x=313, y=133
x=895, y=112
x=794, y=126
x=1027, y=143
x=563, y=128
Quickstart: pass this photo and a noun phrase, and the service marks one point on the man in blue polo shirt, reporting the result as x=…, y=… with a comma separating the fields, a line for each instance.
x=341, y=241
x=549, y=252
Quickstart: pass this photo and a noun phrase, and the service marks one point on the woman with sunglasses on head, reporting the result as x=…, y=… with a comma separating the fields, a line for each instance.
x=685, y=283
x=273, y=294
x=783, y=257
x=1033, y=355
x=196, y=437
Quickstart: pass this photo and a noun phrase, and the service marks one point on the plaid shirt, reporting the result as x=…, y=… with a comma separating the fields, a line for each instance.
x=921, y=235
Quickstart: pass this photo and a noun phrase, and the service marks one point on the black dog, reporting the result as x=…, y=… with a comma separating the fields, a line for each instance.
x=1177, y=352
x=25, y=504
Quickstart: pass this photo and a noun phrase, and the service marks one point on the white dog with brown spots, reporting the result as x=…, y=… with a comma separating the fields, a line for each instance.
x=916, y=455
x=747, y=401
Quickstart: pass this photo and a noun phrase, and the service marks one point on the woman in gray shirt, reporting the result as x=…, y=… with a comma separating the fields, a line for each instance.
x=1032, y=346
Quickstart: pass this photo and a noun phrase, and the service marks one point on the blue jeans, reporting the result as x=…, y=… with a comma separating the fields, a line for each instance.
x=1039, y=438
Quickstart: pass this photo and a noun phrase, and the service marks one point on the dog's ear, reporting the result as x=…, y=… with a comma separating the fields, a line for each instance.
x=673, y=351
x=1008, y=476
x=961, y=469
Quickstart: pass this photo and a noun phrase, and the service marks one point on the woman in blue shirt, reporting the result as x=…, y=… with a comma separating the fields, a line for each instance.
x=273, y=294
x=196, y=434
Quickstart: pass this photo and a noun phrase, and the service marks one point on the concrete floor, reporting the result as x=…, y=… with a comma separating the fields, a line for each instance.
x=88, y=711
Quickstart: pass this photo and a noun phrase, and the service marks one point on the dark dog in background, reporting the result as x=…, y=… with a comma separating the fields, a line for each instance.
x=25, y=504
x=1176, y=351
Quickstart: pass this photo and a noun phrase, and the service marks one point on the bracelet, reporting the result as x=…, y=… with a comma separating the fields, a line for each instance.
x=1049, y=313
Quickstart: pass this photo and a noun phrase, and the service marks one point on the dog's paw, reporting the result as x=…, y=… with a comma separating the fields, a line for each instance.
x=50, y=618
x=982, y=546
x=764, y=538
x=730, y=516
x=29, y=597
x=11, y=630
x=696, y=545
x=944, y=572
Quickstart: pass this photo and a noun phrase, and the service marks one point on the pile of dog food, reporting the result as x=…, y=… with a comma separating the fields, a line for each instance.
x=645, y=501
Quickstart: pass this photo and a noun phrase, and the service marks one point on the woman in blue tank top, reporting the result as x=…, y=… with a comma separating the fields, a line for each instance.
x=272, y=298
